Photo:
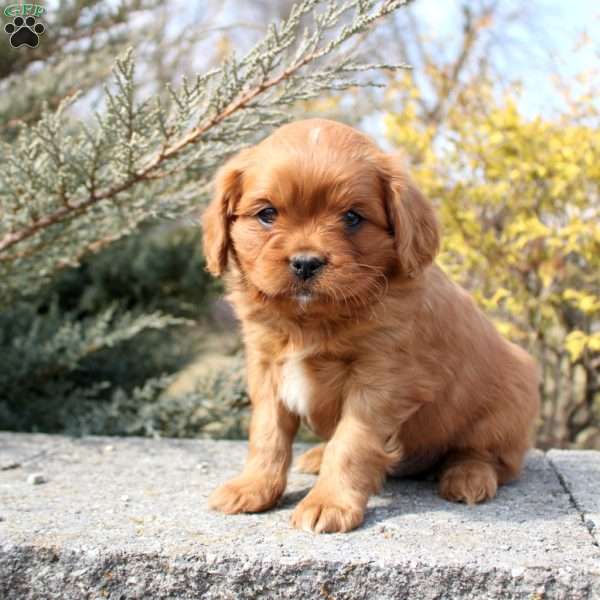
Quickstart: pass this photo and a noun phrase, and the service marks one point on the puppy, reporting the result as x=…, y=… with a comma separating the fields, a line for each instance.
x=351, y=328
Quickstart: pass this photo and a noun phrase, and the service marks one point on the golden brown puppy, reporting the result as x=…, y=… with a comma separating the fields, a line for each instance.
x=350, y=327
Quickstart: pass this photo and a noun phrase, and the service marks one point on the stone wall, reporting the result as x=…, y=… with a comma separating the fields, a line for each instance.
x=127, y=518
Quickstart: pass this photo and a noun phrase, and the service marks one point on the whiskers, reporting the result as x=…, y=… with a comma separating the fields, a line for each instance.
x=344, y=293
x=381, y=280
x=373, y=288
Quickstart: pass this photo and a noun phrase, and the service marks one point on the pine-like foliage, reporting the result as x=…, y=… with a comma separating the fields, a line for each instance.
x=71, y=187
x=74, y=330
x=78, y=48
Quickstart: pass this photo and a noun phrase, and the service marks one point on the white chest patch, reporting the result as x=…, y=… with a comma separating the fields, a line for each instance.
x=295, y=388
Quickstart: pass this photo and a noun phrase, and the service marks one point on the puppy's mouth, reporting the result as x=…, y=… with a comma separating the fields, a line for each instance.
x=305, y=293
x=304, y=297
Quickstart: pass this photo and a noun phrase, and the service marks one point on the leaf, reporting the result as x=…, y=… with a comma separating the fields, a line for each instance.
x=587, y=303
x=594, y=342
x=575, y=344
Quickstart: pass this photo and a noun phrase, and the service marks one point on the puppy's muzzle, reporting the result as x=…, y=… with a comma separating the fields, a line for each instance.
x=306, y=266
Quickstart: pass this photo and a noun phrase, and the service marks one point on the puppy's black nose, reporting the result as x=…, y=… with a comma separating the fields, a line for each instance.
x=305, y=266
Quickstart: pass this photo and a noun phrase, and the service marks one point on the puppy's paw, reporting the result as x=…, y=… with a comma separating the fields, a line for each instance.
x=246, y=494
x=310, y=461
x=323, y=514
x=469, y=482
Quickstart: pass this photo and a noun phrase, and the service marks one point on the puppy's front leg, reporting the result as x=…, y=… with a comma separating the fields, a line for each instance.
x=353, y=467
x=272, y=430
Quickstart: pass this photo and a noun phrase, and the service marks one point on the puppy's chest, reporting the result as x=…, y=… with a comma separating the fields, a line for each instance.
x=295, y=385
x=312, y=389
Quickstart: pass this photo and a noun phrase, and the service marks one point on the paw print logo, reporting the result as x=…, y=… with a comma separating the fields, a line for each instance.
x=24, y=32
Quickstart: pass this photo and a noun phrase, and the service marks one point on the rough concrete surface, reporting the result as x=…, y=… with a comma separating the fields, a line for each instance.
x=127, y=518
x=579, y=472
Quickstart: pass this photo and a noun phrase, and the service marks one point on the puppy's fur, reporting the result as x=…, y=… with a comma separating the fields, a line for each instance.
x=379, y=352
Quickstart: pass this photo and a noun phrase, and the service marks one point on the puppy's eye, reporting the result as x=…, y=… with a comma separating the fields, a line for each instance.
x=352, y=219
x=267, y=215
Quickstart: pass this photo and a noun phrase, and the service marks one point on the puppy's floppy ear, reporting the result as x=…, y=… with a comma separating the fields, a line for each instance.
x=411, y=218
x=218, y=215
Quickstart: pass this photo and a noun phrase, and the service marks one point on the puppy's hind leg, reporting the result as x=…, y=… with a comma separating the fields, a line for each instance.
x=468, y=476
x=310, y=461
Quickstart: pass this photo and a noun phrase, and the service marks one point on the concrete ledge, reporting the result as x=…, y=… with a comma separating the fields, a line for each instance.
x=127, y=518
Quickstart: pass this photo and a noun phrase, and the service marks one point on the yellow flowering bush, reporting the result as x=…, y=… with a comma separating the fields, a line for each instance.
x=519, y=204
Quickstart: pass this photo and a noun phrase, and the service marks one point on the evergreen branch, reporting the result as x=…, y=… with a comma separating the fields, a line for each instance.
x=69, y=209
x=75, y=187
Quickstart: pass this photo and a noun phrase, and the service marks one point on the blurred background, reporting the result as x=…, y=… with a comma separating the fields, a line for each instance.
x=498, y=117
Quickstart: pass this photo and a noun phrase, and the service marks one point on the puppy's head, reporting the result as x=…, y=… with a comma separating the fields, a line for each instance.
x=317, y=215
